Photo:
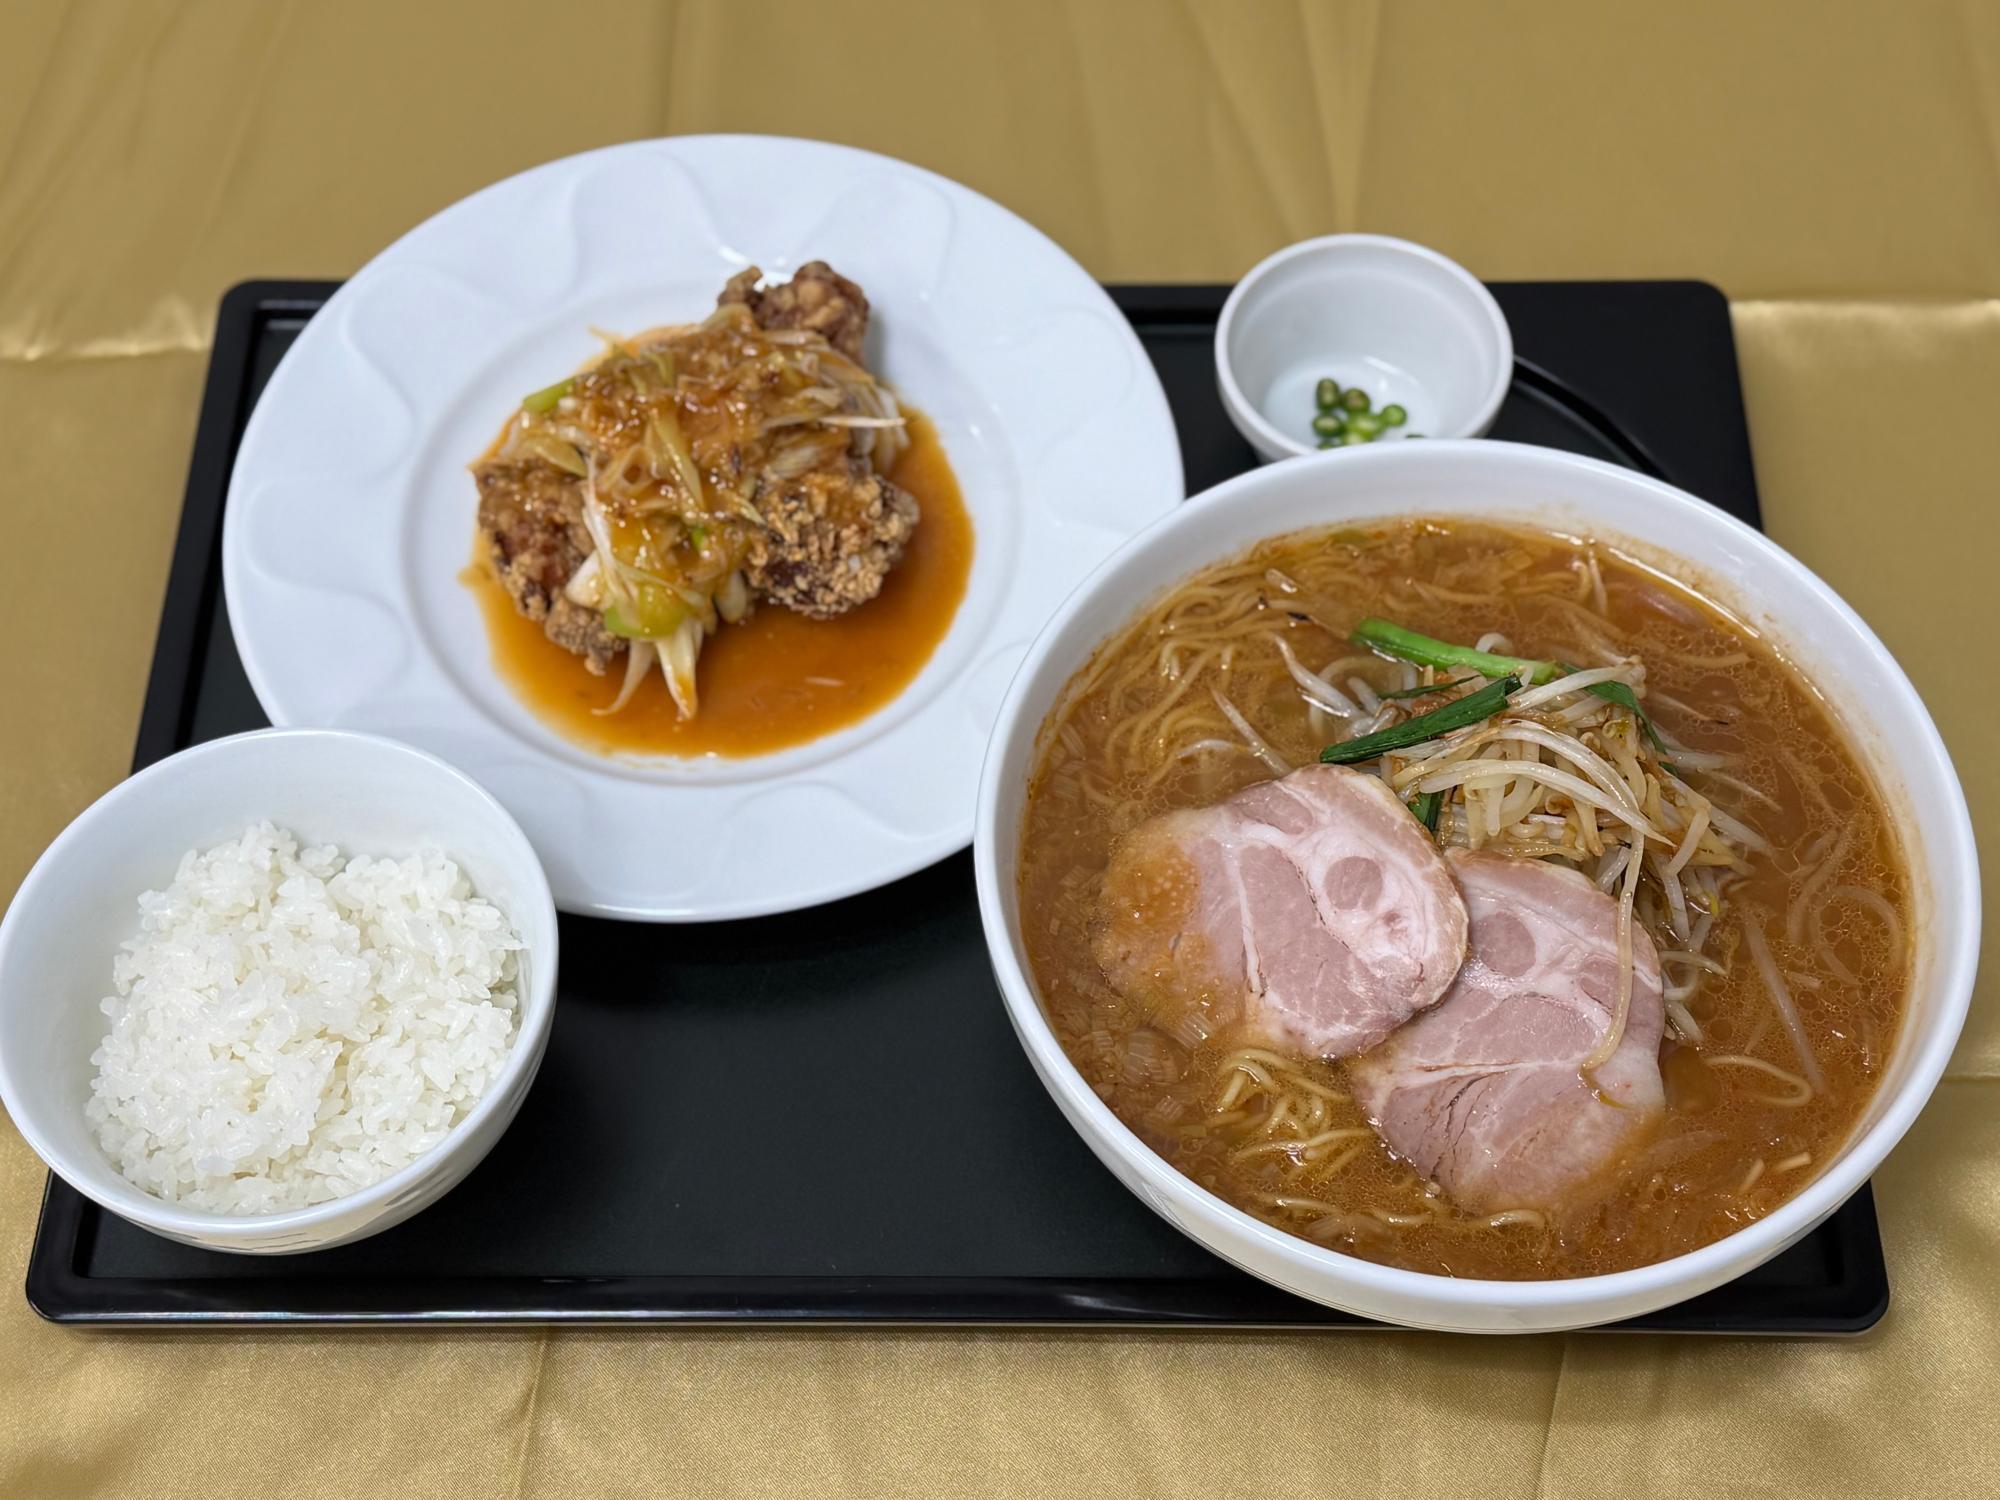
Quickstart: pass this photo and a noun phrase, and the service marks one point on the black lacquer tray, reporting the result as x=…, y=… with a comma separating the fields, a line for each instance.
x=818, y=1181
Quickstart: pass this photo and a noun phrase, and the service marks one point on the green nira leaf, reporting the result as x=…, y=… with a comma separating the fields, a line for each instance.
x=1621, y=694
x=1426, y=806
x=1392, y=639
x=1425, y=692
x=1456, y=714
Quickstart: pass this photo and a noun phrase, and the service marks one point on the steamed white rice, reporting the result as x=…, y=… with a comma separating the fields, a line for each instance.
x=291, y=1025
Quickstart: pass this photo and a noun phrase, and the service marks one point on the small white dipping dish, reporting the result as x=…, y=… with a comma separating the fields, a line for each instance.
x=366, y=794
x=1884, y=719
x=1401, y=322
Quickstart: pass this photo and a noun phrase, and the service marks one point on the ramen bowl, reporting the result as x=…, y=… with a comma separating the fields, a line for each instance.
x=1871, y=701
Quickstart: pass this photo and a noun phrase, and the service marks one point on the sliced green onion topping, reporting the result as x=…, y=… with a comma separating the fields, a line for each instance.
x=544, y=400
x=651, y=614
x=1456, y=714
x=1426, y=651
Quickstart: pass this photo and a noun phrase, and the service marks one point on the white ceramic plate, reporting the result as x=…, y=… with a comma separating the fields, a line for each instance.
x=350, y=512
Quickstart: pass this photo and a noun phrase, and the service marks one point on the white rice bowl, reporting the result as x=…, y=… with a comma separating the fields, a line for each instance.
x=292, y=1025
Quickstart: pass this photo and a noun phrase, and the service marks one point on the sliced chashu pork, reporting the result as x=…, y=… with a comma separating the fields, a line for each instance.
x=1313, y=912
x=1482, y=1093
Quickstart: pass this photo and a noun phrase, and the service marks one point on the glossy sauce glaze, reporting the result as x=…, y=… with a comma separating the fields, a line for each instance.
x=777, y=679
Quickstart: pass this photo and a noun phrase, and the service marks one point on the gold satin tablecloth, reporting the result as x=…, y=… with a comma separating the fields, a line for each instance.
x=1834, y=167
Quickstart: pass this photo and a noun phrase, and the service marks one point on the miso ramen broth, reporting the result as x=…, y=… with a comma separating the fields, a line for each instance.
x=1784, y=947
